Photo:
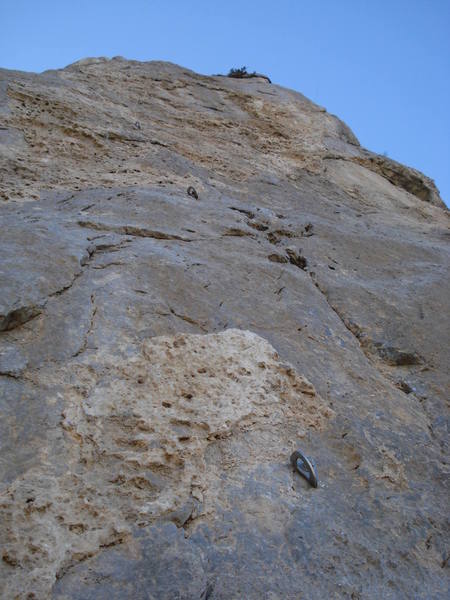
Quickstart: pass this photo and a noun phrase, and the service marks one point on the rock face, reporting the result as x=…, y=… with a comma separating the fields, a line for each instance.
x=162, y=354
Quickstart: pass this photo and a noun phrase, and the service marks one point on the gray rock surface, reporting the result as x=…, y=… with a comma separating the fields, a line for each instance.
x=161, y=356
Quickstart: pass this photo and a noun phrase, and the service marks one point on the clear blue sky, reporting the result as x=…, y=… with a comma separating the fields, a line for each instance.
x=383, y=66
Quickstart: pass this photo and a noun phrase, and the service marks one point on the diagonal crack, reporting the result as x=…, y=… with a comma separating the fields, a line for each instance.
x=399, y=356
x=188, y=319
x=18, y=316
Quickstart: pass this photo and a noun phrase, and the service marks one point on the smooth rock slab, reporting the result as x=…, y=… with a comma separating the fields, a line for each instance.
x=158, y=564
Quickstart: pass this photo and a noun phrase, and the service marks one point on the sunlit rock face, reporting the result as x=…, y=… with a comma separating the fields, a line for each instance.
x=163, y=351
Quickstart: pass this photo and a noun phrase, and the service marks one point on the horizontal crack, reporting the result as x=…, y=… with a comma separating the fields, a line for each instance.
x=133, y=230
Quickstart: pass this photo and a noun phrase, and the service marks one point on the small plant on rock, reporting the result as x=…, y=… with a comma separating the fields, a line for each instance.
x=242, y=73
x=239, y=73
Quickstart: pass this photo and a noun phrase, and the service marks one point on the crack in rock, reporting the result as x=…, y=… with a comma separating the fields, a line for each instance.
x=18, y=316
x=189, y=320
x=133, y=230
x=89, y=329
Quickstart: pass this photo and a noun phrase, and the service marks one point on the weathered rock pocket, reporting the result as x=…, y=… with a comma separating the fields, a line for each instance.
x=135, y=439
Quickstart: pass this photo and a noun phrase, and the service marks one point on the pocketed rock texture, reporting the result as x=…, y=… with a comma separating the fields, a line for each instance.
x=137, y=432
x=162, y=353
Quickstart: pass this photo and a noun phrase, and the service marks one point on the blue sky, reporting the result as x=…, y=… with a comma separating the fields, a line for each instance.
x=382, y=66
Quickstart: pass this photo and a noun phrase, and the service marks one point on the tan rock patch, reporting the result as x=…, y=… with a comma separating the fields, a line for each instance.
x=136, y=440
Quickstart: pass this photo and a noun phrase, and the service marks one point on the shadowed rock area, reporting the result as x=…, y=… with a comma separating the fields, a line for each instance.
x=163, y=351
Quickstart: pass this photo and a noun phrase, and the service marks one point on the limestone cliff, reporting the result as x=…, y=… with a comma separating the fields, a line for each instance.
x=162, y=354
